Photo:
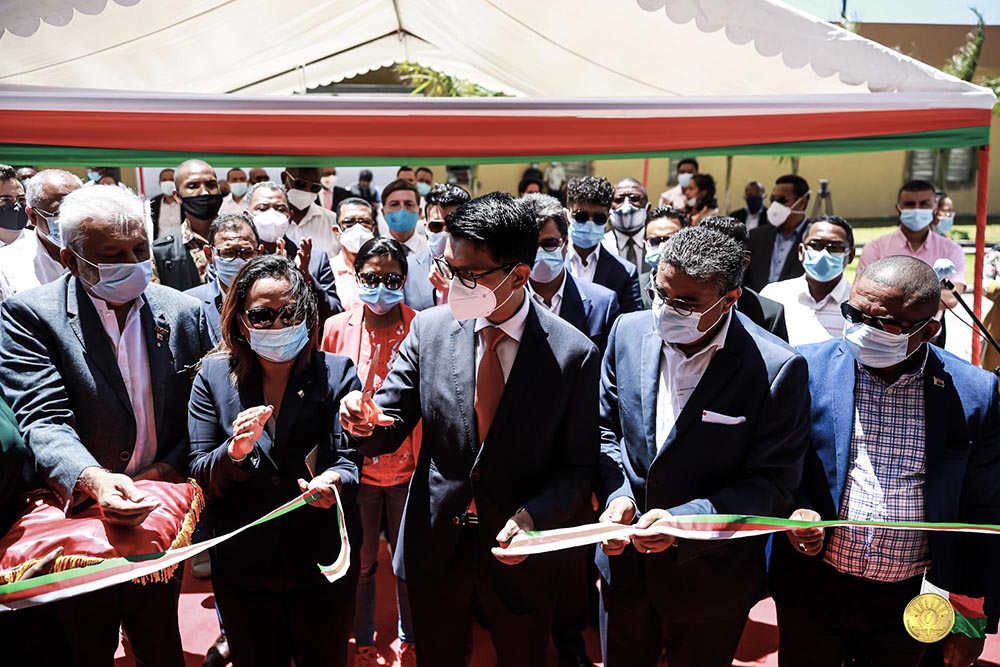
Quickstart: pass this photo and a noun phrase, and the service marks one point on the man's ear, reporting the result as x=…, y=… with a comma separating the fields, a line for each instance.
x=521, y=274
x=207, y=249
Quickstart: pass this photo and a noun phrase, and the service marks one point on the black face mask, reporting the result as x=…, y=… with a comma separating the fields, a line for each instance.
x=13, y=216
x=203, y=207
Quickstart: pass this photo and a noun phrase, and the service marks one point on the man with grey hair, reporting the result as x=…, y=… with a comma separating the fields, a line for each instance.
x=34, y=258
x=702, y=412
x=900, y=431
x=96, y=367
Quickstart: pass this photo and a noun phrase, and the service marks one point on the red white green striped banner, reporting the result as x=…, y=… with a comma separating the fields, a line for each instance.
x=69, y=583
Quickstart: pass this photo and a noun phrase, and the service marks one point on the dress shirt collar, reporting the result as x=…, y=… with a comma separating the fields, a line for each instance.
x=718, y=341
x=103, y=310
x=900, y=241
x=840, y=293
x=622, y=239
x=514, y=326
x=796, y=231
x=556, y=298
x=571, y=253
x=903, y=379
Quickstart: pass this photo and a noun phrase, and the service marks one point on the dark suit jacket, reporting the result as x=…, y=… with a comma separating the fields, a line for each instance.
x=589, y=307
x=59, y=372
x=13, y=465
x=211, y=305
x=765, y=313
x=281, y=554
x=962, y=481
x=751, y=467
x=540, y=453
x=418, y=292
x=761, y=251
x=339, y=195
x=621, y=277
x=324, y=283
x=154, y=213
x=174, y=266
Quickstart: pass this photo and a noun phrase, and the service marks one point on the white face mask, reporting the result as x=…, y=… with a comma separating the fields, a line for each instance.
x=683, y=180
x=355, y=237
x=300, y=199
x=329, y=181
x=167, y=188
x=271, y=225
x=692, y=202
x=778, y=213
x=876, y=348
x=676, y=329
x=480, y=301
x=627, y=218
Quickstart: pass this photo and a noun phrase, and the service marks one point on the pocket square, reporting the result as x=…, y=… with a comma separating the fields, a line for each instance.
x=719, y=418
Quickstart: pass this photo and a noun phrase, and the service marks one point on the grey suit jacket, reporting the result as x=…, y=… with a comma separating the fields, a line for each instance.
x=59, y=372
x=540, y=453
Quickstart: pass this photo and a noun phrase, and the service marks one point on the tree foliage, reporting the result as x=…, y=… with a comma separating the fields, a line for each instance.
x=432, y=83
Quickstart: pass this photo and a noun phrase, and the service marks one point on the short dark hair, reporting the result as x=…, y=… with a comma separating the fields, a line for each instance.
x=446, y=194
x=688, y=160
x=544, y=208
x=365, y=175
x=164, y=170
x=7, y=173
x=232, y=222
x=731, y=227
x=800, y=186
x=669, y=212
x=352, y=201
x=707, y=183
x=380, y=246
x=242, y=360
x=916, y=185
x=400, y=184
x=705, y=254
x=590, y=190
x=836, y=221
x=402, y=169
x=498, y=223
x=522, y=187
x=915, y=279
x=230, y=172
x=427, y=169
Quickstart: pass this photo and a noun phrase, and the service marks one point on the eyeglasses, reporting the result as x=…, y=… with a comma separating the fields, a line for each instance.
x=467, y=278
x=347, y=223
x=655, y=241
x=551, y=243
x=583, y=216
x=233, y=253
x=435, y=226
x=854, y=315
x=7, y=200
x=832, y=247
x=634, y=197
x=304, y=184
x=264, y=317
x=373, y=280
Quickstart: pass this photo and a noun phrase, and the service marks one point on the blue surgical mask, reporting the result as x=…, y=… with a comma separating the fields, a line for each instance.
x=876, y=348
x=55, y=235
x=380, y=300
x=916, y=219
x=93, y=176
x=652, y=256
x=238, y=189
x=548, y=265
x=401, y=221
x=683, y=180
x=676, y=329
x=226, y=269
x=944, y=224
x=119, y=283
x=586, y=234
x=436, y=242
x=822, y=266
x=279, y=345
x=423, y=188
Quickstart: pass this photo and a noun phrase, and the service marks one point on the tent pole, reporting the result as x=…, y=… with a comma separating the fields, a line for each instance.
x=645, y=173
x=982, y=185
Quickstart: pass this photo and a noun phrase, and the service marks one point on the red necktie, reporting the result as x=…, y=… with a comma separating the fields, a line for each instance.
x=490, y=382
x=328, y=199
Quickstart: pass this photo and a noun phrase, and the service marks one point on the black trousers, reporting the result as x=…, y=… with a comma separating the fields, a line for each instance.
x=835, y=619
x=270, y=629
x=576, y=595
x=147, y=613
x=635, y=632
x=443, y=614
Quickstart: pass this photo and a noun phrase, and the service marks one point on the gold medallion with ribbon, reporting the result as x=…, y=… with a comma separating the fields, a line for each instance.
x=929, y=618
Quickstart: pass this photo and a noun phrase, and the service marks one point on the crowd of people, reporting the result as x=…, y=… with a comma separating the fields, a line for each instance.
x=465, y=370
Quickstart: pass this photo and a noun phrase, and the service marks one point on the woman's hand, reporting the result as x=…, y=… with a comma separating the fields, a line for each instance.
x=247, y=429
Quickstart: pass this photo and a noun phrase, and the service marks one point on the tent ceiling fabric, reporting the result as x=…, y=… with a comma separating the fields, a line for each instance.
x=557, y=48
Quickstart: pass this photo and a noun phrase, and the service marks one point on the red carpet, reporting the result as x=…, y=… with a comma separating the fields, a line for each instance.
x=199, y=628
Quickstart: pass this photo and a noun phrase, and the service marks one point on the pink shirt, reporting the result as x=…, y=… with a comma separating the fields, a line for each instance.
x=344, y=280
x=934, y=247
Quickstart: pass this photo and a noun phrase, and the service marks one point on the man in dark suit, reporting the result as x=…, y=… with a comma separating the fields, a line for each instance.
x=588, y=200
x=97, y=367
x=774, y=247
x=332, y=194
x=424, y=285
x=901, y=430
x=702, y=412
x=165, y=208
x=766, y=313
x=507, y=396
x=753, y=215
x=662, y=223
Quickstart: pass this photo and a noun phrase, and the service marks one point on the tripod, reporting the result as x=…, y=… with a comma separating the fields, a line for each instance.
x=824, y=198
x=950, y=286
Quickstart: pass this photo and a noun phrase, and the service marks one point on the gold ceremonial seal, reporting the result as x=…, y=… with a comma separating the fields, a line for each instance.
x=929, y=618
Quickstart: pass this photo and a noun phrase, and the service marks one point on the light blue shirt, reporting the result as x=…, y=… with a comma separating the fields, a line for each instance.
x=783, y=244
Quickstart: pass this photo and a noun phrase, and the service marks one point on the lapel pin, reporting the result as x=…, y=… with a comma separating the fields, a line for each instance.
x=302, y=394
x=938, y=382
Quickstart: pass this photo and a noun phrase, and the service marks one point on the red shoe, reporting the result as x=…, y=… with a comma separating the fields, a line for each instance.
x=368, y=656
x=407, y=654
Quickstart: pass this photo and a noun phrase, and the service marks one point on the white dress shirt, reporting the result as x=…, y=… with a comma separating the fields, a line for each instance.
x=416, y=243
x=556, y=298
x=807, y=320
x=133, y=363
x=583, y=269
x=754, y=220
x=318, y=224
x=170, y=217
x=232, y=207
x=618, y=242
x=506, y=348
x=679, y=376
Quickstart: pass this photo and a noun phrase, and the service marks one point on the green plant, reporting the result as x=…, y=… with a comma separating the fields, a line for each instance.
x=432, y=83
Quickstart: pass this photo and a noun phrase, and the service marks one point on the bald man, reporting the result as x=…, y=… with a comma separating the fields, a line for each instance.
x=900, y=431
x=180, y=256
x=309, y=219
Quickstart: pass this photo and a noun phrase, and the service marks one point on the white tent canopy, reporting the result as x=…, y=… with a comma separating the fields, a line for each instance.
x=556, y=48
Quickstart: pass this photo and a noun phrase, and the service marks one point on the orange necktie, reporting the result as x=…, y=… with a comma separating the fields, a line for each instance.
x=490, y=382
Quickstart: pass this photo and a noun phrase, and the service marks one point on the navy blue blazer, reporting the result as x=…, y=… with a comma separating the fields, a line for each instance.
x=621, y=277
x=589, y=307
x=540, y=453
x=211, y=305
x=283, y=553
x=324, y=283
x=962, y=467
x=704, y=467
x=418, y=292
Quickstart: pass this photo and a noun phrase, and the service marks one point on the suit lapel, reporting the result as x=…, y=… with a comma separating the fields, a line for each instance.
x=251, y=395
x=649, y=385
x=523, y=373
x=602, y=268
x=942, y=409
x=573, y=309
x=463, y=373
x=87, y=326
x=842, y=379
x=156, y=331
